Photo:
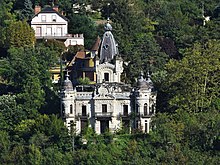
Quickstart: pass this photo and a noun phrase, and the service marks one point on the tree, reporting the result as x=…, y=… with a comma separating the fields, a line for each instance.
x=192, y=83
x=19, y=34
x=134, y=33
x=27, y=12
x=11, y=113
x=5, y=12
x=85, y=26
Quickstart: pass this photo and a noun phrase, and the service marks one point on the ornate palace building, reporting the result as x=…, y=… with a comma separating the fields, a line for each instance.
x=107, y=103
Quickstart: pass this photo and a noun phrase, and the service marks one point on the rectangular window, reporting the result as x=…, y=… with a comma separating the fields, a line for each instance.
x=38, y=31
x=106, y=76
x=84, y=125
x=54, y=18
x=145, y=109
x=49, y=31
x=104, y=108
x=43, y=18
x=71, y=109
x=137, y=108
x=104, y=126
x=146, y=126
x=125, y=110
x=84, y=110
x=59, y=31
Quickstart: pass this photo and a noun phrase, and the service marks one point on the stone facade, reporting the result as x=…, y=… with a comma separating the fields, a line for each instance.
x=109, y=104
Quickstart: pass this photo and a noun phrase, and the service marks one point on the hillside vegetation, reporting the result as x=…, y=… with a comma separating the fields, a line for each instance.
x=171, y=39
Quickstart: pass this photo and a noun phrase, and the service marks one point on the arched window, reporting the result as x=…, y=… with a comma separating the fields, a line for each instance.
x=71, y=109
x=145, y=109
x=146, y=126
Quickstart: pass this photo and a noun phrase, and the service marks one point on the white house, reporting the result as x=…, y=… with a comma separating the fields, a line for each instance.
x=109, y=104
x=50, y=24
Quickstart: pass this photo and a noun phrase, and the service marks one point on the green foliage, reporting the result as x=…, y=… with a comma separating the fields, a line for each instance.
x=19, y=34
x=84, y=81
x=188, y=87
x=5, y=11
x=72, y=50
x=26, y=12
x=85, y=26
x=192, y=83
x=10, y=112
x=55, y=45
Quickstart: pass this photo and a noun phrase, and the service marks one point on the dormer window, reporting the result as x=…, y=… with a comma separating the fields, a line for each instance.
x=54, y=18
x=43, y=18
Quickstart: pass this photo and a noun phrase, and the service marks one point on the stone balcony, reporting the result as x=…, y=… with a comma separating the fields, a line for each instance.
x=146, y=115
x=124, y=116
x=58, y=36
x=82, y=116
x=103, y=114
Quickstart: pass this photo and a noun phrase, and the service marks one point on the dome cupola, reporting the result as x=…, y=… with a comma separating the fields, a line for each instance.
x=67, y=84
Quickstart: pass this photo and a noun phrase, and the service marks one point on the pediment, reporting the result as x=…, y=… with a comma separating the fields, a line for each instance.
x=106, y=65
x=104, y=97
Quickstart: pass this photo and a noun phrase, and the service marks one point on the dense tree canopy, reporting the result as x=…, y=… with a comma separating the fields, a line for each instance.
x=167, y=38
x=193, y=82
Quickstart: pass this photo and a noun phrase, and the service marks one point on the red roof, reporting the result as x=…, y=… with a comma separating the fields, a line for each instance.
x=96, y=45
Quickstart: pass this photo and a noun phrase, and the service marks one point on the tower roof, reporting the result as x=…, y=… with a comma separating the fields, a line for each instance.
x=109, y=47
x=95, y=47
x=67, y=84
x=143, y=83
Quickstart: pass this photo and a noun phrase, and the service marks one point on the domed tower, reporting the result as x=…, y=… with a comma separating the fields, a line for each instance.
x=67, y=102
x=109, y=65
x=109, y=47
x=145, y=103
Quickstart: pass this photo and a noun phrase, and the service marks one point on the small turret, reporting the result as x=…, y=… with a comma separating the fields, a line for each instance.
x=67, y=84
x=143, y=83
x=145, y=100
x=67, y=101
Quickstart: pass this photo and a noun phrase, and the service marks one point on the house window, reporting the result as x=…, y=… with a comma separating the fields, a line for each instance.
x=146, y=126
x=54, y=18
x=145, y=109
x=38, y=31
x=43, y=18
x=63, y=109
x=49, y=31
x=137, y=108
x=104, y=108
x=106, y=76
x=71, y=109
x=152, y=109
x=84, y=110
x=125, y=110
x=71, y=125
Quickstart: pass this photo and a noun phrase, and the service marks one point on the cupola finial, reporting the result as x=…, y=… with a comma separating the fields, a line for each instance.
x=108, y=26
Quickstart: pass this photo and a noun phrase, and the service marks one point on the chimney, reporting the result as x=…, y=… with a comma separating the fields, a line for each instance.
x=56, y=8
x=37, y=9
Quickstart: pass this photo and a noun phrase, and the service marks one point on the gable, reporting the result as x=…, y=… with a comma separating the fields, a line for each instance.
x=48, y=18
